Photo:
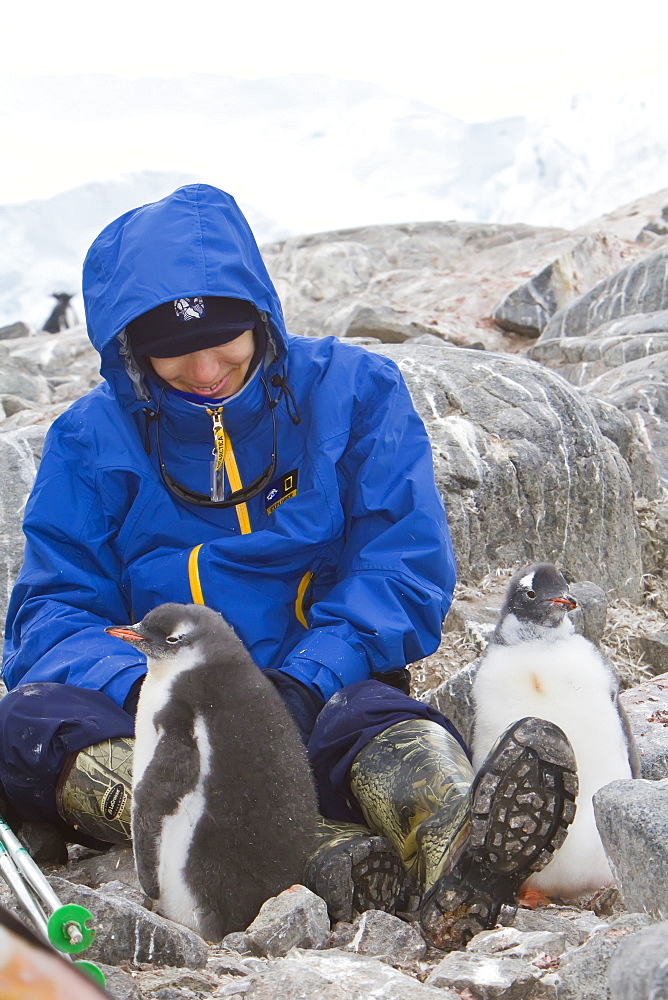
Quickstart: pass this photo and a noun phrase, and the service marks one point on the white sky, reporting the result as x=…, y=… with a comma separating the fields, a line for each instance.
x=476, y=59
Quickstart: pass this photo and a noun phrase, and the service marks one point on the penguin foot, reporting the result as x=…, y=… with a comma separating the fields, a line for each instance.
x=522, y=802
x=358, y=871
x=533, y=898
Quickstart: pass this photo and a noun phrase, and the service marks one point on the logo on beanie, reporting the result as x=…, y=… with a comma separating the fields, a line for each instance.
x=187, y=309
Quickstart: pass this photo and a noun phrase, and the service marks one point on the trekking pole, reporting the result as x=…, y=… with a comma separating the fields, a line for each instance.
x=66, y=927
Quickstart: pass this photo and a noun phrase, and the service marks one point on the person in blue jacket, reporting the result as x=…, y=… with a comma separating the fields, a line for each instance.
x=284, y=481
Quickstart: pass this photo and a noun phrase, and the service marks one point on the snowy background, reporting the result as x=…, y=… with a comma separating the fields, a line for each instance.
x=325, y=119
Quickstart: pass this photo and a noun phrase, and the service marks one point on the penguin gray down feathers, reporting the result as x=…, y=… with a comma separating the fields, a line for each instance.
x=536, y=665
x=224, y=805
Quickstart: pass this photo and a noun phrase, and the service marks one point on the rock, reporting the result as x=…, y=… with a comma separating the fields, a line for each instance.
x=590, y=614
x=350, y=977
x=639, y=288
x=117, y=863
x=175, y=983
x=120, y=985
x=14, y=330
x=528, y=309
x=582, y=972
x=380, y=935
x=510, y=942
x=654, y=650
x=632, y=817
x=386, y=326
x=19, y=455
x=485, y=976
x=25, y=381
x=581, y=359
x=444, y=276
x=577, y=926
x=638, y=969
x=129, y=934
x=640, y=390
x=454, y=699
x=240, y=942
x=616, y=426
x=523, y=468
x=296, y=918
x=646, y=706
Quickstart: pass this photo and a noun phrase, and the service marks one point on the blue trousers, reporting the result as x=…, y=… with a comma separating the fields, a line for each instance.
x=41, y=724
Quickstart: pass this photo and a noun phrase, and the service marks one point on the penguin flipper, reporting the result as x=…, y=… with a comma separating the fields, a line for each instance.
x=634, y=756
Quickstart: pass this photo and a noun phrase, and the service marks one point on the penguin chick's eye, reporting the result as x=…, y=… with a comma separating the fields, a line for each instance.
x=174, y=638
x=531, y=594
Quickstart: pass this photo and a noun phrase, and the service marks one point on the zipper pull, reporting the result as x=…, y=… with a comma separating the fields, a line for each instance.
x=217, y=491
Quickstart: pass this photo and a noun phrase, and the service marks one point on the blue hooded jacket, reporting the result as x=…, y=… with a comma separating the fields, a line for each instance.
x=342, y=568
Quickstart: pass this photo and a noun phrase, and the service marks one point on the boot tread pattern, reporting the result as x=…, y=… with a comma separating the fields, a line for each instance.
x=521, y=807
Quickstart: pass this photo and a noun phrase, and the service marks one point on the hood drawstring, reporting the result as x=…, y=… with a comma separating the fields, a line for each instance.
x=281, y=381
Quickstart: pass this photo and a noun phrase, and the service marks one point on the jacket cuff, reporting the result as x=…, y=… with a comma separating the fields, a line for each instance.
x=119, y=687
x=325, y=663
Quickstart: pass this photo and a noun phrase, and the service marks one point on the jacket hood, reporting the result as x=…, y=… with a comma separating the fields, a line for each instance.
x=195, y=241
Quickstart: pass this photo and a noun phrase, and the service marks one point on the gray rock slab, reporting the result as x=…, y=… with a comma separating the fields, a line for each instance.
x=528, y=308
x=582, y=973
x=126, y=933
x=640, y=390
x=654, y=650
x=13, y=330
x=632, y=817
x=638, y=969
x=296, y=918
x=524, y=470
x=120, y=985
x=576, y=925
x=117, y=863
x=639, y=288
x=617, y=427
x=446, y=276
x=486, y=976
x=510, y=942
x=387, y=326
x=20, y=452
x=646, y=706
x=455, y=700
x=358, y=977
x=381, y=935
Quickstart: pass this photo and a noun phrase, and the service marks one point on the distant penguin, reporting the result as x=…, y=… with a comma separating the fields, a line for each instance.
x=224, y=806
x=62, y=315
x=536, y=665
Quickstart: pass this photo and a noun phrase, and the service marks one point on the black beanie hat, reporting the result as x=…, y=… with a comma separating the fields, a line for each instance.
x=190, y=324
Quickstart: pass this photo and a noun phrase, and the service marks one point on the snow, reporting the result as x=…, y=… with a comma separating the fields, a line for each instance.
x=301, y=154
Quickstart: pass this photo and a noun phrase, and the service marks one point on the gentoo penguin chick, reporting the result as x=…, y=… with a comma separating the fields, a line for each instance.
x=224, y=805
x=536, y=665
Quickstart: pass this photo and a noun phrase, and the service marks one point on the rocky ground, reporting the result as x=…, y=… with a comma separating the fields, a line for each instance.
x=538, y=359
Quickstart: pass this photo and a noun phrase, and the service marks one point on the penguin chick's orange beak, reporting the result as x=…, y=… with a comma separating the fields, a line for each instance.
x=570, y=603
x=125, y=633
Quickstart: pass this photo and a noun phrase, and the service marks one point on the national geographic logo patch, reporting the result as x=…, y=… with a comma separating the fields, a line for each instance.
x=281, y=490
x=113, y=801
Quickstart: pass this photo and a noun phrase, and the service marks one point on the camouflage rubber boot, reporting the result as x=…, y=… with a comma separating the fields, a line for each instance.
x=471, y=840
x=94, y=792
x=354, y=870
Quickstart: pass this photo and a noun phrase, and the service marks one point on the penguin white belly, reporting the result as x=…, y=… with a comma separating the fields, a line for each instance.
x=566, y=682
x=152, y=697
x=176, y=898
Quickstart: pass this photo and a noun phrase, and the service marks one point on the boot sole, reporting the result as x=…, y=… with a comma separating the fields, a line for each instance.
x=365, y=873
x=522, y=803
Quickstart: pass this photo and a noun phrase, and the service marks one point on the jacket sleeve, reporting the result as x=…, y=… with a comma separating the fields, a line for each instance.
x=70, y=585
x=397, y=574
